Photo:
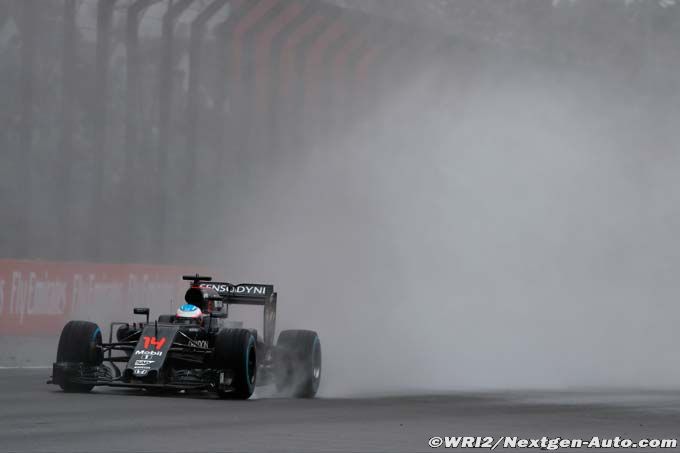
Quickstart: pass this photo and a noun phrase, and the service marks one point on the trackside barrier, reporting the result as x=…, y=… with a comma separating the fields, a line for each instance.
x=39, y=297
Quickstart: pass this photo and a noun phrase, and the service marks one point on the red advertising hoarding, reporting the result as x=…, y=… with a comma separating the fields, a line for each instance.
x=39, y=297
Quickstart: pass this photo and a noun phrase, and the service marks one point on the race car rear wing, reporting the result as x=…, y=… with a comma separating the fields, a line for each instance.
x=245, y=294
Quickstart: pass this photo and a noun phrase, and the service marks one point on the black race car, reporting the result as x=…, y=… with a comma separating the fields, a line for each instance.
x=209, y=353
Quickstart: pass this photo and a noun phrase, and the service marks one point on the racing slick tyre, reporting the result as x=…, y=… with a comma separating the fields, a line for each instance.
x=236, y=355
x=80, y=342
x=298, y=363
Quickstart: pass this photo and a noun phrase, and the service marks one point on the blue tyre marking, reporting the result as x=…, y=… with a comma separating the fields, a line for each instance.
x=314, y=348
x=94, y=335
x=248, y=360
x=315, y=345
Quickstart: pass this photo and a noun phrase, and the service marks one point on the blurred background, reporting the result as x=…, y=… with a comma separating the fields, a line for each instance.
x=484, y=189
x=130, y=128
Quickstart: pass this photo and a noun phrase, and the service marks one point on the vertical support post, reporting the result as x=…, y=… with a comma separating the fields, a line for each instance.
x=28, y=30
x=313, y=74
x=132, y=104
x=285, y=117
x=131, y=181
x=165, y=105
x=192, y=181
x=195, y=54
x=266, y=76
x=68, y=64
x=100, y=110
x=224, y=86
x=68, y=74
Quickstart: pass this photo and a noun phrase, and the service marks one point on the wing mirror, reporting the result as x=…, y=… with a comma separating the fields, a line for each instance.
x=142, y=311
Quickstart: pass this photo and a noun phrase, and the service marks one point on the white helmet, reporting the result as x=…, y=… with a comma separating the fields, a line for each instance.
x=189, y=311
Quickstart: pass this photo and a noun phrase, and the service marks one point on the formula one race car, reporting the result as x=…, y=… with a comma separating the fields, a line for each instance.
x=198, y=348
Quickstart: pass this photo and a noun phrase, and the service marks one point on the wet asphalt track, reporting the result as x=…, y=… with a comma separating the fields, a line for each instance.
x=38, y=417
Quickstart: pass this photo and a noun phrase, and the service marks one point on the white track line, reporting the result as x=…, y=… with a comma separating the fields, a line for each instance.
x=41, y=367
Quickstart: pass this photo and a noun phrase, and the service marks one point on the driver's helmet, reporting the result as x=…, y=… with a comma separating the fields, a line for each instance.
x=189, y=313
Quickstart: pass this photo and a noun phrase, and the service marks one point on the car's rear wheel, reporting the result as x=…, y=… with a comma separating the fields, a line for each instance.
x=236, y=355
x=298, y=363
x=80, y=342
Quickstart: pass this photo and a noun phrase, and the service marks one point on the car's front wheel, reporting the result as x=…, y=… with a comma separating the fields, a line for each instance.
x=80, y=343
